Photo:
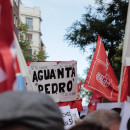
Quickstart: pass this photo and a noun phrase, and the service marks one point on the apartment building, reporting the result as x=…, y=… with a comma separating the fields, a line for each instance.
x=15, y=6
x=32, y=17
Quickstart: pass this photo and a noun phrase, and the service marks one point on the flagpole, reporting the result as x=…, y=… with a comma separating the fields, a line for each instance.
x=120, y=84
x=126, y=52
x=23, y=66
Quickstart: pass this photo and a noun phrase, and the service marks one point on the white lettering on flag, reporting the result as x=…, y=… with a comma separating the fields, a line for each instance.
x=13, y=52
x=2, y=75
x=104, y=80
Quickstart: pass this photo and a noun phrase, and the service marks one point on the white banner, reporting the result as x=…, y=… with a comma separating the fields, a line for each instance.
x=74, y=113
x=110, y=106
x=57, y=80
x=125, y=117
x=67, y=117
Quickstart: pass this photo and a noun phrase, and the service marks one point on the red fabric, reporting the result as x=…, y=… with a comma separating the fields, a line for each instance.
x=101, y=77
x=17, y=66
x=7, y=47
x=73, y=104
x=128, y=81
x=28, y=63
x=96, y=98
x=125, y=83
x=79, y=86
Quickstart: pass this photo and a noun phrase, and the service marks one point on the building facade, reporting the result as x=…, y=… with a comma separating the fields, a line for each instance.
x=15, y=6
x=32, y=17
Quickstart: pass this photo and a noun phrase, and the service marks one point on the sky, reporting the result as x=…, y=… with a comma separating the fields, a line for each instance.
x=57, y=16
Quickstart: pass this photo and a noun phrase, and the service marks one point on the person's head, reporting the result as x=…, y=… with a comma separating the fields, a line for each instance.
x=29, y=111
x=81, y=117
x=88, y=126
x=128, y=124
x=107, y=118
x=118, y=110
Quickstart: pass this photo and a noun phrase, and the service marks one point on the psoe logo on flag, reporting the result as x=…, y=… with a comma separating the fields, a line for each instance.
x=104, y=80
x=101, y=77
x=100, y=80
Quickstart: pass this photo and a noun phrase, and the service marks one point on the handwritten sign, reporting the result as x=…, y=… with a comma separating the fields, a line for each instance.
x=74, y=113
x=57, y=80
x=67, y=117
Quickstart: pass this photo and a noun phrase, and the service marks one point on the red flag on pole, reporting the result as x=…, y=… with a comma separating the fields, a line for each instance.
x=125, y=78
x=101, y=77
x=96, y=98
x=79, y=86
x=7, y=48
x=125, y=92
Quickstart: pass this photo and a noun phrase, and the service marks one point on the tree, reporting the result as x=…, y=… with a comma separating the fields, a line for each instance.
x=25, y=46
x=24, y=43
x=39, y=56
x=108, y=21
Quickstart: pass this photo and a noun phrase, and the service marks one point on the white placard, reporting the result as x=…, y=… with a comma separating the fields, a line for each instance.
x=109, y=106
x=125, y=115
x=74, y=113
x=67, y=117
x=57, y=80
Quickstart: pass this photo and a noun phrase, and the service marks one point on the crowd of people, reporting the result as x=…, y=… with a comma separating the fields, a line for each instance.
x=35, y=111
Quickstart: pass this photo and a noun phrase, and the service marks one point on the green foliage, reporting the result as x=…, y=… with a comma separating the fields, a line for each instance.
x=80, y=79
x=86, y=94
x=41, y=55
x=108, y=21
x=38, y=56
x=116, y=60
x=24, y=43
x=25, y=46
x=34, y=57
x=106, y=100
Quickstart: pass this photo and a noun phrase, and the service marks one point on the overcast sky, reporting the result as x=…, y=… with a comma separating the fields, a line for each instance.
x=57, y=16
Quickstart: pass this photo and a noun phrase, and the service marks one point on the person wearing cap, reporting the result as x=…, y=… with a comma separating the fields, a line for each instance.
x=29, y=111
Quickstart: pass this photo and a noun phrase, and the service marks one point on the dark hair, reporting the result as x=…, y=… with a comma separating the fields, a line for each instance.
x=128, y=124
x=118, y=110
x=81, y=117
x=88, y=126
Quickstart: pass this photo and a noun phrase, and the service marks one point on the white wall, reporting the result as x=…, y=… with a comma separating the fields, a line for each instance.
x=35, y=14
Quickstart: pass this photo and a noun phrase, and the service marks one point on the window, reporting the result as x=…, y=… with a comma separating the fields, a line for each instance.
x=29, y=22
x=29, y=37
x=29, y=51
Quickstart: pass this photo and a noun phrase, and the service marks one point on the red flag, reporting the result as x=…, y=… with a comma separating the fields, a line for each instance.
x=101, y=77
x=125, y=83
x=79, y=85
x=7, y=48
x=17, y=67
x=96, y=98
